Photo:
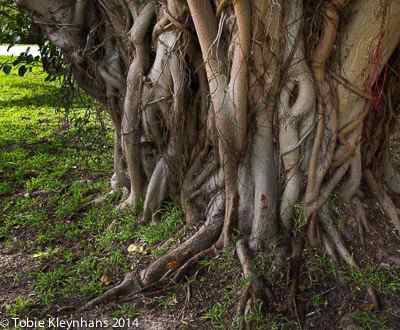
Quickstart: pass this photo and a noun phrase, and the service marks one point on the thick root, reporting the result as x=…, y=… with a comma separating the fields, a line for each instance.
x=205, y=237
x=129, y=285
x=156, y=191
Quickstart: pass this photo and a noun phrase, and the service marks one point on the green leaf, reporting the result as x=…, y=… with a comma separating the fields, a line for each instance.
x=22, y=70
x=6, y=68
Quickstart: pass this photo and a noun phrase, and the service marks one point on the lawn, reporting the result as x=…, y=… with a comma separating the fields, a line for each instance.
x=55, y=248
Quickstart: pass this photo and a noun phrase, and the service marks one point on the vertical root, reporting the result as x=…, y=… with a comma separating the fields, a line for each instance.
x=257, y=290
x=294, y=271
x=328, y=38
x=384, y=199
x=290, y=117
x=131, y=122
x=156, y=190
x=391, y=175
x=327, y=190
x=361, y=217
x=241, y=308
x=351, y=186
x=332, y=232
x=329, y=248
x=265, y=178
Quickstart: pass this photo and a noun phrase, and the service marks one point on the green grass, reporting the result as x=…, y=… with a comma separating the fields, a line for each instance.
x=21, y=305
x=48, y=170
x=370, y=321
x=170, y=221
x=383, y=280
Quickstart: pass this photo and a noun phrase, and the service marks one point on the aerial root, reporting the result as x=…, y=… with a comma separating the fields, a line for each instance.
x=333, y=233
x=314, y=205
x=373, y=297
x=352, y=184
x=257, y=290
x=232, y=202
x=384, y=199
x=293, y=274
x=391, y=175
x=156, y=191
x=241, y=307
x=329, y=248
x=313, y=231
x=361, y=217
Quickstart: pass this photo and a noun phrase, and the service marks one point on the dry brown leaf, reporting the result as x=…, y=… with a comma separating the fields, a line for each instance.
x=105, y=280
x=134, y=248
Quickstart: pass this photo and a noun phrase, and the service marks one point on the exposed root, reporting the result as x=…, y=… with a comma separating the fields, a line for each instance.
x=156, y=191
x=293, y=273
x=349, y=189
x=332, y=232
x=329, y=187
x=384, y=199
x=361, y=217
x=176, y=263
x=329, y=248
x=127, y=286
x=192, y=262
x=241, y=308
x=204, y=238
x=256, y=291
x=391, y=175
x=373, y=298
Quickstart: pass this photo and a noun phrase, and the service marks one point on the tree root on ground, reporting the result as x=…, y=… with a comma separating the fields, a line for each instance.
x=386, y=202
x=256, y=291
x=176, y=263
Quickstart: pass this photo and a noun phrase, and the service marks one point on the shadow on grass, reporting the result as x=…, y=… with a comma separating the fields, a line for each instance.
x=49, y=98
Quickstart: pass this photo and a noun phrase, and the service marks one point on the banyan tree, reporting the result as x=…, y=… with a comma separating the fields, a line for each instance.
x=250, y=113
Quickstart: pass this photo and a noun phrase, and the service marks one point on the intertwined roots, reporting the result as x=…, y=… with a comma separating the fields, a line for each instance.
x=245, y=111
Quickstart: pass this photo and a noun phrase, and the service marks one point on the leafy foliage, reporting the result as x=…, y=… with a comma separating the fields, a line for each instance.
x=15, y=26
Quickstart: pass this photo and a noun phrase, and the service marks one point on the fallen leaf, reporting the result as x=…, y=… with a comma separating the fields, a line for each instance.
x=105, y=280
x=41, y=254
x=368, y=307
x=134, y=248
x=45, y=254
x=172, y=264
